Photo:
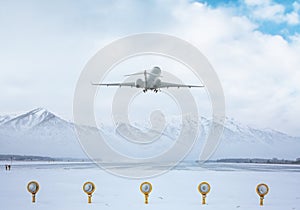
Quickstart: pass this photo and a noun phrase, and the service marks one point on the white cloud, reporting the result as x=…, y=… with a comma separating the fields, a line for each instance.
x=296, y=6
x=257, y=2
x=271, y=11
x=293, y=17
x=259, y=71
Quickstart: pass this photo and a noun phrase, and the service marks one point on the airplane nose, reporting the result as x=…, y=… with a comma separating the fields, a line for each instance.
x=157, y=70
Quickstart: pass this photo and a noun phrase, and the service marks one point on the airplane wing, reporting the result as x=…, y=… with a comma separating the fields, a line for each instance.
x=128, y=84
x=167, y=85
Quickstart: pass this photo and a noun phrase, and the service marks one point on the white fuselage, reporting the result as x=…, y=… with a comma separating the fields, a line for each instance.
x=152, y=81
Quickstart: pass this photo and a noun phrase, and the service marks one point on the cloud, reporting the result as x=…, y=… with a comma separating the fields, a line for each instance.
x=259, y=71
x=267, y=10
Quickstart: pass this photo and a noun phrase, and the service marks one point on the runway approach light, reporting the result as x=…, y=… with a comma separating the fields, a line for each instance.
x=146, y=188
x=262, y=190
x=89, y=188
x=204, y=188
x=33, y=187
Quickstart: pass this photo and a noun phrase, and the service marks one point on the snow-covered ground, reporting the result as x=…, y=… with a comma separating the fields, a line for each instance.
x=232, y=187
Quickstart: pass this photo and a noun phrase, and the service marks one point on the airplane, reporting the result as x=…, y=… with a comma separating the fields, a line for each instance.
x=152, y=82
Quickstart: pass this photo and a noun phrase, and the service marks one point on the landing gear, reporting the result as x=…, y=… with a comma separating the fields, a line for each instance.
x=154, y=90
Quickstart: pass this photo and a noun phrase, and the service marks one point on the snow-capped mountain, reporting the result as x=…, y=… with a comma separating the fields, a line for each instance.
x=40, y=132
x=27, y=120
x=239, y=140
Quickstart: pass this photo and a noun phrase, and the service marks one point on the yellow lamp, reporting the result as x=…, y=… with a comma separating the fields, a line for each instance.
x=146, y=188
x=33, y=187
x=262, y=190
x=89, y=188
x=204, y=189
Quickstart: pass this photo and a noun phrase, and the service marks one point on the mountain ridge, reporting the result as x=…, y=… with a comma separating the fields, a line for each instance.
x=40, y=132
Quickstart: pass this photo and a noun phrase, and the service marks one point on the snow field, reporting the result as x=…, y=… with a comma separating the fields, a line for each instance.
x=62, y=189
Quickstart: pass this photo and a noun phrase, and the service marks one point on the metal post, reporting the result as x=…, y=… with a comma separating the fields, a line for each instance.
x=261, y=200
x=33, y=198
x=203, y=199
x=89, y=198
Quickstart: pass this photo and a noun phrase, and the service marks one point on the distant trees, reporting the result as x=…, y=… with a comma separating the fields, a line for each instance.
x=259, y=160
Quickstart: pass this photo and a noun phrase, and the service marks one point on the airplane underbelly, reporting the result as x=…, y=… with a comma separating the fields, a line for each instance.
x=150, y=84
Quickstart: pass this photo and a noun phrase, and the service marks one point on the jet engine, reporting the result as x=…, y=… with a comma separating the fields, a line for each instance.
x=139, y=83
x=157, y=83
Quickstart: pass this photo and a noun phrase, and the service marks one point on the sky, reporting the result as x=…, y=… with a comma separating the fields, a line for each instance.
x=253, y=45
